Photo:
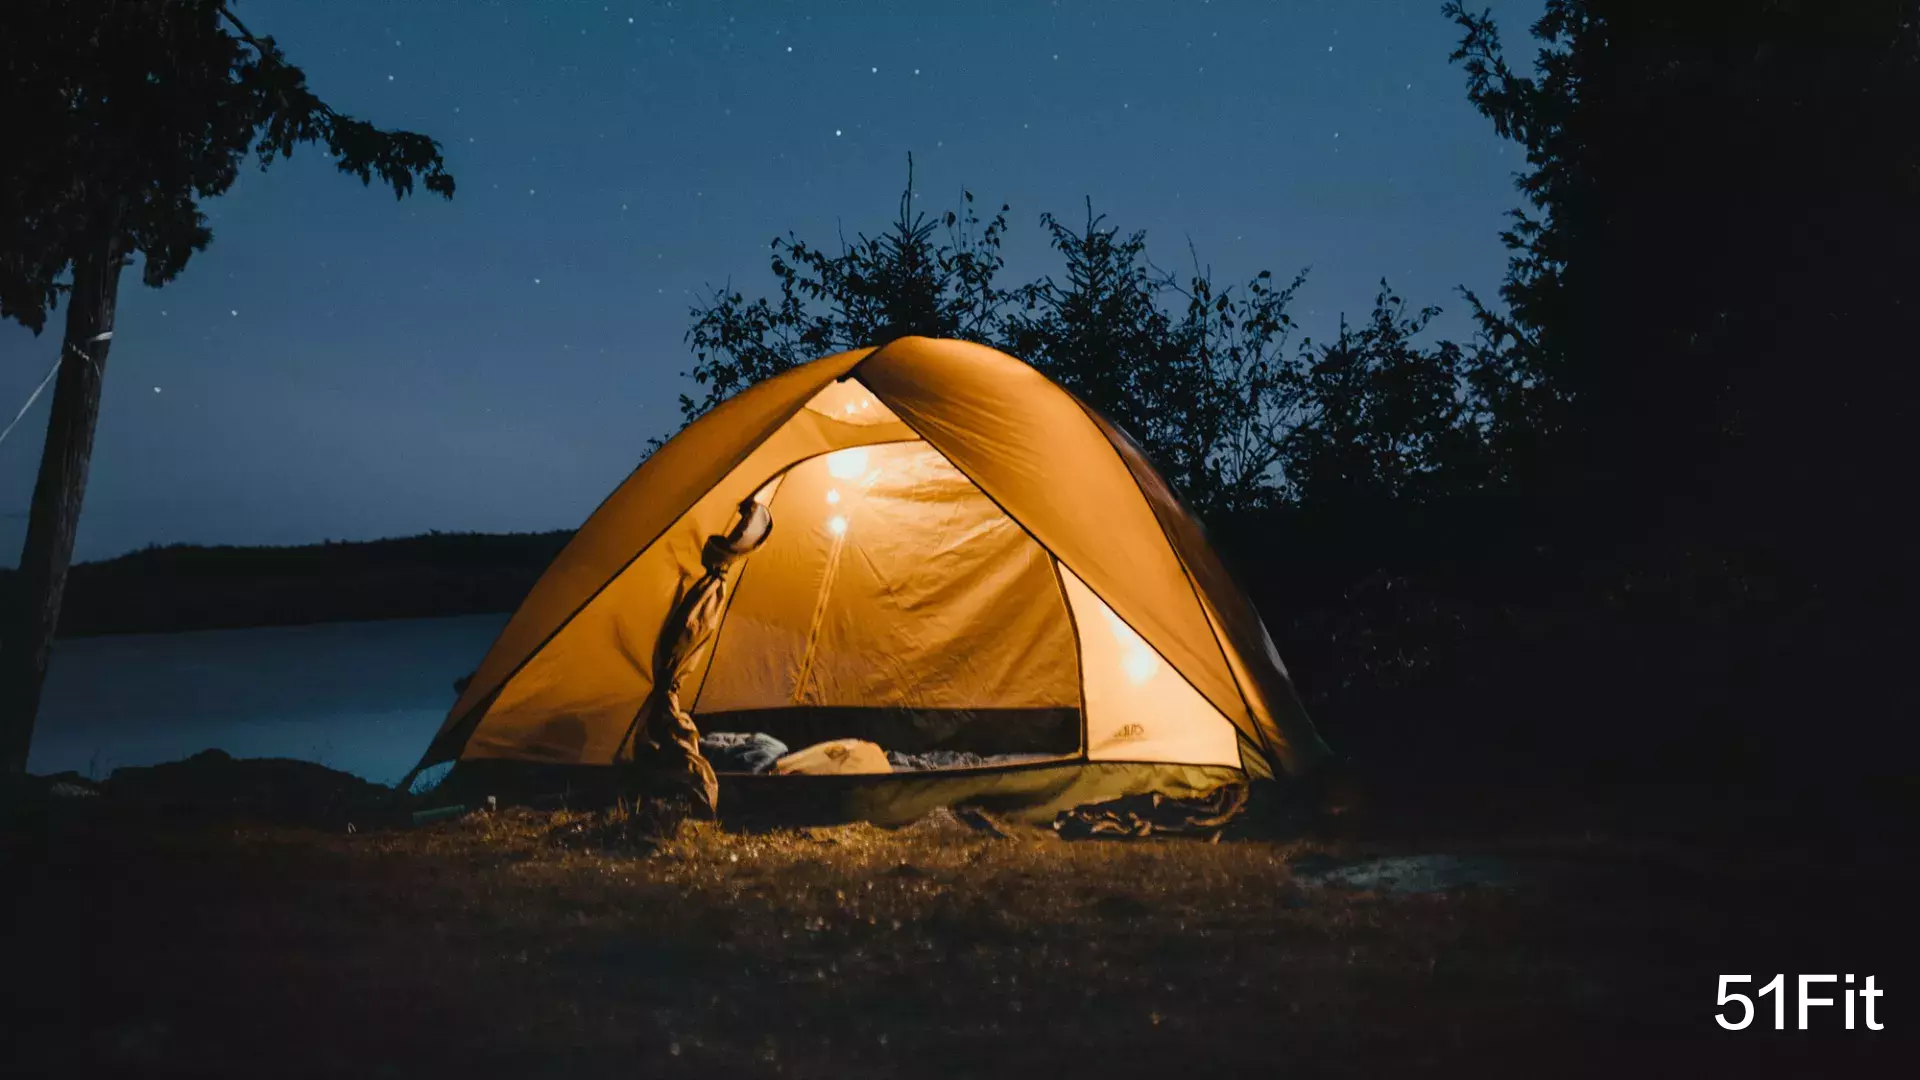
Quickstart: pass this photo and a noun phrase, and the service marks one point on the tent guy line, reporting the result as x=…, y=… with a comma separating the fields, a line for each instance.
x=51, y=372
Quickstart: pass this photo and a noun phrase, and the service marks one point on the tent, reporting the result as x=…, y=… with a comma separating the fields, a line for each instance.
x=962, y=557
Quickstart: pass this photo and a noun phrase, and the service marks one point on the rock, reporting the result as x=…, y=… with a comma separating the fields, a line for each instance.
x=70, y=785
x=1405, y=873
x=214, y=781
x=937, y=822
x=980, y=821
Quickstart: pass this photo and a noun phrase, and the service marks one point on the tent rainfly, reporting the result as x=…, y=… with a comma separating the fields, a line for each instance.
x=963, y=557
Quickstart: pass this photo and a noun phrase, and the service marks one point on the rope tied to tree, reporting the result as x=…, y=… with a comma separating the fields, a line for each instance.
x=51, y=372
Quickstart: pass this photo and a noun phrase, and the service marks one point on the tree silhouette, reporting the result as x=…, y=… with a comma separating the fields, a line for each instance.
x=1205, y=378
x=1198, y=376
x=125, y=115
x=1703, y=372
x=1712, y=281
x=1388, y=420
x=903, y=282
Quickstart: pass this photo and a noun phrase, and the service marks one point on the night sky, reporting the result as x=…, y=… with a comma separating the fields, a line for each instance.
x=341, y=366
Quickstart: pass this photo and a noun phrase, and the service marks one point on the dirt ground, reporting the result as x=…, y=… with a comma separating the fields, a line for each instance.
x=162, y=944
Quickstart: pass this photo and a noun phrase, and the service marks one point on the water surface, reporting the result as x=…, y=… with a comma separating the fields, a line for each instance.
x=362, y=697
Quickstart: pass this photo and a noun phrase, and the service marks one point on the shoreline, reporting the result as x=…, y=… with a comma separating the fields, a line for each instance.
x=182, y=588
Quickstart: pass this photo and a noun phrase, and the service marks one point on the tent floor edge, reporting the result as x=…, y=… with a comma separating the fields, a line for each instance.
x=1026, y=794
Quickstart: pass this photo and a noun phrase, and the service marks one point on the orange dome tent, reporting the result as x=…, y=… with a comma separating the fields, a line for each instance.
x=963, y=556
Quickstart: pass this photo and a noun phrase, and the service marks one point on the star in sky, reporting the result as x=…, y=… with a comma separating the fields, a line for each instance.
x=587, y=127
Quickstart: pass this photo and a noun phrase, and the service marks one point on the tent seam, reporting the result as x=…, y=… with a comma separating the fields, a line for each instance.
x=1079, y=654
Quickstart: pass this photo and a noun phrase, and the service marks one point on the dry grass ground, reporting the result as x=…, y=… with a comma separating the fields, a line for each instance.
x=480, y=947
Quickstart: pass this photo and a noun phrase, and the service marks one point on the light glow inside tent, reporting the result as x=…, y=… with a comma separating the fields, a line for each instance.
x=1137, y=658
x=1139, y=707
x=848, y=464
x=936, y=611
x=938, y=581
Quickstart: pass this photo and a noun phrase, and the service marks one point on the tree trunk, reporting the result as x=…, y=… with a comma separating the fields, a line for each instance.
x=55, y=514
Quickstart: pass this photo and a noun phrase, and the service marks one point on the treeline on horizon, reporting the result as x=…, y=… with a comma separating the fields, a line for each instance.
x=181, y=587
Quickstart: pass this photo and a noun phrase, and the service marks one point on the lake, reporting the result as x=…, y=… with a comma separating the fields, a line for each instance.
x=360, y=697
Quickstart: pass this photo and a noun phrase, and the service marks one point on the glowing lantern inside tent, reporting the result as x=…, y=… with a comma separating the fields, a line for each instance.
x=847, y=464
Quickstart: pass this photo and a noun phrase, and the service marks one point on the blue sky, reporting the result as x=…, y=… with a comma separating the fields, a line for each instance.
x=339, y=365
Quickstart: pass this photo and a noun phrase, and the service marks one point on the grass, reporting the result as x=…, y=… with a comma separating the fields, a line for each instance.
x=162, y=943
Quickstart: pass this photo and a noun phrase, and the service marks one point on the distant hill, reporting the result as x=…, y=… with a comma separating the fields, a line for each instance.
x=190, y=587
